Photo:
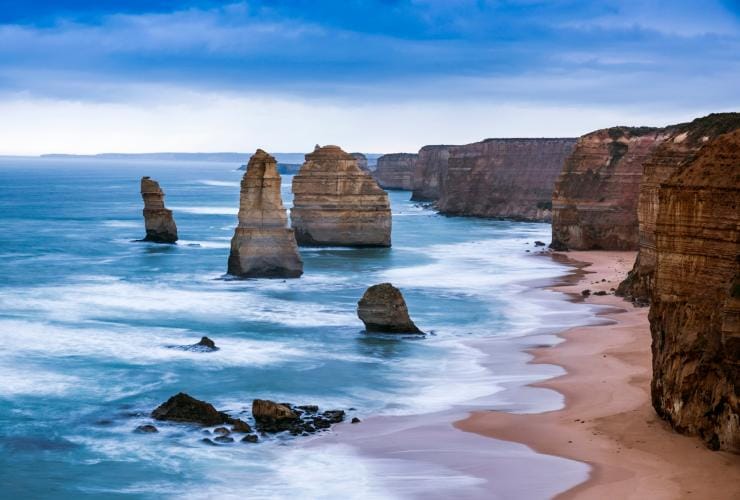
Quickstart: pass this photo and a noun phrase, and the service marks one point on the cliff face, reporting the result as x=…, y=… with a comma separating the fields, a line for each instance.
x=158, y=221
x=262, y=246
x=396, y=171
x=429, y=172
x=673, y=154
x=595, y=199
x=695, y=311
x=361, y=161
x=507, y=178
x=337, y=203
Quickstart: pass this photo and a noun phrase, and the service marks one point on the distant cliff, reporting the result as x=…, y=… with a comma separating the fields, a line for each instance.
x=429, y=172
x=506, y=178
x=595, y=199
x=396, y=170
x=695, y=290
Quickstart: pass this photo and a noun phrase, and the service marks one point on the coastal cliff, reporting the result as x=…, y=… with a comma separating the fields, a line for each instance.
x=337, y=203
x=595, y=199
x=695, y=311
x=503, y=178
x=429, y=172
x=396, y=171
x=158, y=221
x=263, y=246
x=673, y=154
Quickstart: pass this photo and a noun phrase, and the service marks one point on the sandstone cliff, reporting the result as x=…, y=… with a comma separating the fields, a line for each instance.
x=695, y=311
x=337, y=203
x=396, y=171
x=676, y=151
x=429, y=172
x=158, y=221
x=595, y=199
x=262, y=246
x=503, y=178
x=361, y=161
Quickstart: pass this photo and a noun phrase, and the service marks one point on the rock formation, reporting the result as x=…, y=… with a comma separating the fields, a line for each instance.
x=383, y=309
x=159, y=223
x=185, y=408
x=262, y=246
x=272, y=417
x=695, y=311
x=595, y=199
x=503, y=178
x=429, y=173
x=338, y=204
x=396, y=171
x=361, y=161
x=679, y=149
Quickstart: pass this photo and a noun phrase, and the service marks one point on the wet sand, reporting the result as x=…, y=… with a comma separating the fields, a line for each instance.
x=608, y=421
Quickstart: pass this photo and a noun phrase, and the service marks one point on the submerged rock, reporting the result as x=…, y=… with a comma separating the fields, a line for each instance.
x=263, y=246
x=146, y=429
x=159, y=223
x=383, y=309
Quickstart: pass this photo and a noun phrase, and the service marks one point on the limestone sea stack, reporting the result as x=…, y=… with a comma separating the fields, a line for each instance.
x=595, y=199
x=430, y=171
x=158, y=221
x=503, y=178
x=262, y=246
x=383, y=309
x=695, y=310
x=396, y=170
x=673, y=154
x=338, y=204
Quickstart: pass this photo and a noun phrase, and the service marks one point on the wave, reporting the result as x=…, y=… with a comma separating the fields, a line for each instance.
x=219, y=183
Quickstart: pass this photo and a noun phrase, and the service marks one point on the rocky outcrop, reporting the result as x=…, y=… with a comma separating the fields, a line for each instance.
x=361, y=161
x=383, y=309
x=673, y=154
x=158, y=221
x=262, y=246
x=595, y=199
x=429, y=173
x=272, y=417
x=503, y=178
x=695, y=311
x=338, y=204
x=396, y=171
x=185, y=408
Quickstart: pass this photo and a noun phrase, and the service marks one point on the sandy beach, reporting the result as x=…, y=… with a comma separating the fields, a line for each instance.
x=608, y=421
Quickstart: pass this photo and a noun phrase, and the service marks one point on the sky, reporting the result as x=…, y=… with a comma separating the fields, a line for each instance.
x=379, y=76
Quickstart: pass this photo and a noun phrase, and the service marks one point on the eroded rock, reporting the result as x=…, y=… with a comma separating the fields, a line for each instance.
x=396, y=170
x=383, y=309
x=158, y=220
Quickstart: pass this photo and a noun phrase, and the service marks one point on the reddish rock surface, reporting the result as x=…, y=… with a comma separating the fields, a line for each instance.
x=695, y=292
x=396, y=171
x=595, y=199
x=429, y=172
x=158, y=221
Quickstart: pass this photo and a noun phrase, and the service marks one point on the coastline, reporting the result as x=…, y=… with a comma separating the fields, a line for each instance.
x=607, y=421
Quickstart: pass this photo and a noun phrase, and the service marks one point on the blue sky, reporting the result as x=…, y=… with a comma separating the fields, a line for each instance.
x=382, y=75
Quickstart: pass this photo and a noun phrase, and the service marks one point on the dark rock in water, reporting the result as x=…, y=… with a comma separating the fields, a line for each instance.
x=356, y=420
x=334, y=416
x=221, y=431
x=205, y=345
x=206, y=342
x=383, y=309
x=309, y=408
x=240, y=426
x=208, y=442
x=250, y=438
x=185, y=408
x=146, y=429
x=274, y=417
x=600, y=292
x=224, y=439
x=586, y=293
x=539, y=244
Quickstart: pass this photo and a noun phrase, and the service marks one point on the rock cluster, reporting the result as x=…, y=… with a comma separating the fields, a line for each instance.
x=185, y=408
x=158, y=221
x=262, y=246
x=595, y=199
x=338, y=204
x=695, y=291
x=396, y=171
x=430, y=171
x=383, y=309
x=503, y=178
x=272, y=417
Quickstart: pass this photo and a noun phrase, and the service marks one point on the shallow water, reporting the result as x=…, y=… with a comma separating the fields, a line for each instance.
x=88, y=319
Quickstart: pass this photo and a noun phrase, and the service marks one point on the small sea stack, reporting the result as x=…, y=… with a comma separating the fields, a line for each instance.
x=159, y=223
x=263, y=246
x=383, y=309
x=338, y=204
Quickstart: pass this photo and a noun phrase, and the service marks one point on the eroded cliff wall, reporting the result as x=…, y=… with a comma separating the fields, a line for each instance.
x=595, y=199
x=396, y=171
x=506, y=178
x=695, y=311
x=429, y=172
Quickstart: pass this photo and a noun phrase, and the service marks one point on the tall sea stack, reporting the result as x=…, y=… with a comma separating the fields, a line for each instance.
x=338, y=204
x=158, y=221
x=695, y=294
x=262, y=246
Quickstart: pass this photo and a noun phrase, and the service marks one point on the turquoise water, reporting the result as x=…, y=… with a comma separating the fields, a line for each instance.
x=88, y=318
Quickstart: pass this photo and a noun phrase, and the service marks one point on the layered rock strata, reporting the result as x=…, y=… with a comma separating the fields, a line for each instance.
x=429, y=174
x=382, y=308
x=262, y=246
x=338, y=204
x=673, y=154
x=595, y=198
x=158, y=221
x=503, y=178
x=396, y=171
x=695, y=311
x=361, y=161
